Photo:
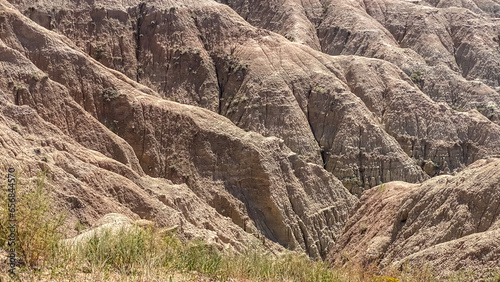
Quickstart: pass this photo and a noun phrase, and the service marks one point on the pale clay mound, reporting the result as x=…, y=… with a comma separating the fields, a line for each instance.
x=450, y=222
x=270, y=132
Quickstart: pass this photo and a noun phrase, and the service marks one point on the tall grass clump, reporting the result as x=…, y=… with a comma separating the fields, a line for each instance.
x=38, y=227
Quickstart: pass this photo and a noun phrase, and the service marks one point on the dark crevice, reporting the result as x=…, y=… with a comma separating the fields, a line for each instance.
x=221, y=90
x=140, y=20
x=322, y=149
x=361, y=167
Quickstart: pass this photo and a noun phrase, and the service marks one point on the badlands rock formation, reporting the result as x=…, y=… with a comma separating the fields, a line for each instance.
x=203, y=54
x=450, y=222
x=239, y=119
x=111, y=145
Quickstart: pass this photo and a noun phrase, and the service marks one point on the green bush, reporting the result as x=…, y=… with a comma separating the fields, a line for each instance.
x=110, y=93
x=416, y=77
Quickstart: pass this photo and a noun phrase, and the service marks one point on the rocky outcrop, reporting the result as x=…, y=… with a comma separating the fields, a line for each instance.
x=113, y=145
x=449, y=51
x=204, y=55
x=267, y=132
x=449, y=222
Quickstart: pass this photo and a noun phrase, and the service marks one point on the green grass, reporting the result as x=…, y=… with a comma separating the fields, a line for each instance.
x=137, y=252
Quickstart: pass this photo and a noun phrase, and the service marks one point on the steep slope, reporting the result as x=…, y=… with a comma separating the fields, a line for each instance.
x=239, y=57
x=203, y=54
x=490, y=7
x=449, y=51
x=449, y=222
x=101, y=134
x=267, y=127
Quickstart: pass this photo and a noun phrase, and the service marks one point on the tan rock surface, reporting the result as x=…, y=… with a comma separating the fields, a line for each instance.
x=227, y=184
x=449, y=222
x=453, y=45
x=203, y=49
x=267, y=132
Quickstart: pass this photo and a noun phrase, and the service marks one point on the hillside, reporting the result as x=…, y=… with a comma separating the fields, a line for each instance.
x=291, y=122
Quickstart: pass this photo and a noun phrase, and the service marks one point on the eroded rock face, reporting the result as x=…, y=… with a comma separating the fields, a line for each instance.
x=113, y=145
x=203, y=54
x=450, y=222
x=449, y=48
x=267, y=132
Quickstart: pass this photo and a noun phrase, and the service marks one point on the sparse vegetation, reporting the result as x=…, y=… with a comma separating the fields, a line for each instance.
x=110, y=93
x=325, y=9
x=138, y=252
x=19, y=88
x=98, y=52
x=15, y=128
x=416, y=77
x=319, y=89
x=363, y=227
x=354, y=180
x=235, y=66
x=382, y=188
x=290, y=37
x=497, y=39
x=148, y=253
x=487, y=110
x=111, y=125
x=38, y=226
x=35, y=76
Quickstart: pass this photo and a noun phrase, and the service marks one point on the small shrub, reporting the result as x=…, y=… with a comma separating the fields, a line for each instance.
x=111, y=125
x=19, y=88
x=363, y=227
x=319, y=89
x=382, y=188
x=497, y=39
x=325, y=9
x=290, y=37
x=98, y=52
x=487, y=110
x=15, y=128
x=110, y=93
x=35, y=77
x=416, y=77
